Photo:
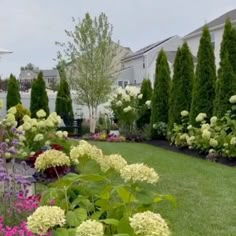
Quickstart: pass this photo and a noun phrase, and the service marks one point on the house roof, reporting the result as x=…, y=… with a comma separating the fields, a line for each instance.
x=146, y=49
x=216, y=22
x=50, y=73
x=4, y=51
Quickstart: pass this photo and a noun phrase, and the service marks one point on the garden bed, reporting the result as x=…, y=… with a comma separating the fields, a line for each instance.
x=193, y=153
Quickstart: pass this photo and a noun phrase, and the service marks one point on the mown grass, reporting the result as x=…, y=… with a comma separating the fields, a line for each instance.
x=205, y=192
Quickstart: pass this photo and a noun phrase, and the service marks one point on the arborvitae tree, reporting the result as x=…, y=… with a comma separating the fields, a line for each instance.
x=204, y=83
x=63, y=100
x=145, y=113
x=181, y=87
x=226, y=87
x=160, y=98
x=232, y=50
x=225, y=83
x=13, y=94
x=39, y=97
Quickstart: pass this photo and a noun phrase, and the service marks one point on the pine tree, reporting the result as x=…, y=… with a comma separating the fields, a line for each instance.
x=39, y=97
x=145, y=113
x=13, y=94
x=160, y=98
x=226, y=86
x=204, y=83
x=181, y=87
x=63, y=100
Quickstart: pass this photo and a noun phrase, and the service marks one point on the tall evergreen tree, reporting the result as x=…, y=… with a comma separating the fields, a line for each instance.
x=232, y=50
x=226, y=87
x=63, y=100
x=13, y=94
x=181, y=88
x=39, y=97
x=145, y=113
x=160, y=98
x=204, y=83
x=225, y=84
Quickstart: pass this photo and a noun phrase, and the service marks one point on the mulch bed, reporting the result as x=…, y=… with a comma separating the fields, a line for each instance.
x=166, y=145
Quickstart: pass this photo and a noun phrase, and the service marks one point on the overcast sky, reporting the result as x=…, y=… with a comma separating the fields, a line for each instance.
x=29, y=28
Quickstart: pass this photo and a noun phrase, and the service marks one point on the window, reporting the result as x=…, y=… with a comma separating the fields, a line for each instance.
x=120, y=83
x=144, y=63
x=213, y=40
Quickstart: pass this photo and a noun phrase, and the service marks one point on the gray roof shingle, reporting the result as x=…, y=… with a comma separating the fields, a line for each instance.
x=146, y=49
x=216, y=22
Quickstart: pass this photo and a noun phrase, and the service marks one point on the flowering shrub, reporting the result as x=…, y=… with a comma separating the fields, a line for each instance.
x=214, y=136
x=51, y=158
x=149, y=223
x=120, y=196
x=126, y=108
x=90, y=228
x=45, y=218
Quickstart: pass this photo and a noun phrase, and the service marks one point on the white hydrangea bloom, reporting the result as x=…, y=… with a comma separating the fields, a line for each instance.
x=213, y=142
x=12, y=110
x=205, y=126
x=26, y=118
x=90, y=228
x=232, y=141
x=140, y=96
x=213, y=120
x=189, y=127
x=126, y=97
x=45, y=218
x=201, y=117
x=206, y=134
x=41, y=113
x=59, y=134
x=190, y=140
x=184, y=137
x=148, y=103
x=27, y=126
x=184, y=113
x=139, y=173
x=119, y=103
x=149, y=224
x=115, y=161
x=232, y=99
x=127, y=109
x=38, y=137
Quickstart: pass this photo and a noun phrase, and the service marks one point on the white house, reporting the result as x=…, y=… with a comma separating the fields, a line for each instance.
x=216, y=28
x=142, y=63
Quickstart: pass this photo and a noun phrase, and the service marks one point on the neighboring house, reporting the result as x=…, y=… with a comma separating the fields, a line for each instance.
x=51, y=78
x=142, y=64
x=121, y=52
x=216, y=28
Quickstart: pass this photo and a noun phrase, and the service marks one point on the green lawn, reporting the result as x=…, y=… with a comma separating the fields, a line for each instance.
x=205, y=191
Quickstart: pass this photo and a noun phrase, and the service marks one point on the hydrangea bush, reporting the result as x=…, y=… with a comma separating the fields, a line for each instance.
x=212, y=135
x=126, y=107
x=105, y=198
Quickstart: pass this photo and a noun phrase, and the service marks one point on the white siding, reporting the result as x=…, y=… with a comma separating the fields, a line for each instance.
x=195, y=41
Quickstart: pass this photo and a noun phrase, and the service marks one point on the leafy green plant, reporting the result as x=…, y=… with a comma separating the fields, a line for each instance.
x=104, y=192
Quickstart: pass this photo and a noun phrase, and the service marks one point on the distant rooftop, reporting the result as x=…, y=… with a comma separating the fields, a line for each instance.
x=4, y=51
x=216, y=22
x=146, y=49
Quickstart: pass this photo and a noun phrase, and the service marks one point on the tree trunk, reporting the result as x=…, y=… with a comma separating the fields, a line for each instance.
x=92, y=121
